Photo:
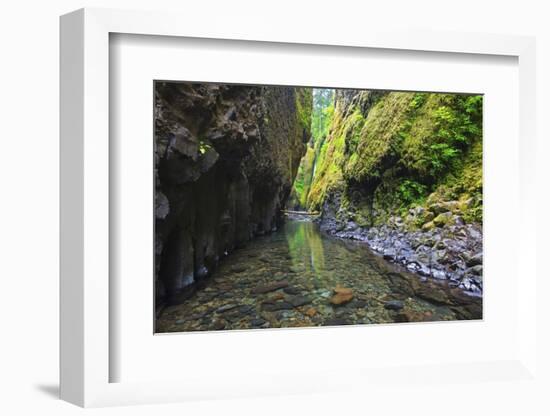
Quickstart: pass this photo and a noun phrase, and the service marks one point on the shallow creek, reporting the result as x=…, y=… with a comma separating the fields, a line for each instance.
x=289, y=278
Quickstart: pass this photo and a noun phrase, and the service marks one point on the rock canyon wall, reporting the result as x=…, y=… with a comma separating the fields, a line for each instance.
x=225, y=160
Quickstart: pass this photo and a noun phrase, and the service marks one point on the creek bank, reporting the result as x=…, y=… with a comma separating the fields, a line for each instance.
x=444, y=250
x=300, y=277
x=402, y=172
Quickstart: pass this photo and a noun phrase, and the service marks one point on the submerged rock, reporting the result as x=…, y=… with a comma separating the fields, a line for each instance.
x=342, y=295
x=269, y=287
x=394, y=305
x=297, y=301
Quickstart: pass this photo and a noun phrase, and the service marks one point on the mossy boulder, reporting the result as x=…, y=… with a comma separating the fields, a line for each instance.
x=443, y=219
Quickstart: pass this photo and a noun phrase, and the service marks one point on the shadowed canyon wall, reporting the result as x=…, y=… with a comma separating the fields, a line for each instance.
x=225, y=160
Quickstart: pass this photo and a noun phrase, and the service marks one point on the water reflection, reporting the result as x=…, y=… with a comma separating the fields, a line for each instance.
x=288, y=279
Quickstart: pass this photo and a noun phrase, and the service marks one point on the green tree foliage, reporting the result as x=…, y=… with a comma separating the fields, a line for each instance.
x=321, y=117
x=323, y=109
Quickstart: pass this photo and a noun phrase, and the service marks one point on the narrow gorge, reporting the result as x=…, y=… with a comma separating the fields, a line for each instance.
x=288, y=206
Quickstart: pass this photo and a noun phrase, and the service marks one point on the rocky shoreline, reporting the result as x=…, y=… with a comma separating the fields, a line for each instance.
x=445, y=250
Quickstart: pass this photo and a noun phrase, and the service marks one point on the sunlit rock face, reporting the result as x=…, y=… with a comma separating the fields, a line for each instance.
x=225, y=160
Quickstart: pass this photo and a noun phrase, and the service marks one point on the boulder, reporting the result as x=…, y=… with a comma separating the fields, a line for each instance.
x=443, y=219
x=394, y=305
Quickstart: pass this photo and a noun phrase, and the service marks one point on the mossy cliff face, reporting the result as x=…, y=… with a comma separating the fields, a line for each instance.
x=407, y=163
x=225, y=160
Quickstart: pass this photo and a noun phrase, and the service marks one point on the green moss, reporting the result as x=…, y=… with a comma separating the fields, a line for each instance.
x=304, y=98
x=400, y=151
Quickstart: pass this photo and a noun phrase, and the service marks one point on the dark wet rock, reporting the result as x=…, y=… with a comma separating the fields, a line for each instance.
x=226, y=308
x=468, y=311
x=475, y=260
x=291, y=290
x=257, y=322
x=412, y=316
x=476, y=270
x=394, y=305
x=269, y=287
x=218, y=325
x=359, y=304
x=245, y=309
x=277, y=306
x=238, y=269
x=297, y=301
x=432, y=295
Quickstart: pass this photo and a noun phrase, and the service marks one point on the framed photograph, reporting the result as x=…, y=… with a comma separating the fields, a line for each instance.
x=282, y=213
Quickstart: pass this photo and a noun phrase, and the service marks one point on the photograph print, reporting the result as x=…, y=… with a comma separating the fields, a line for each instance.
x=295, y=207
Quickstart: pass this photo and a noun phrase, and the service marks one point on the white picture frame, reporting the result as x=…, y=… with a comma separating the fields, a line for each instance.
x=85, y=217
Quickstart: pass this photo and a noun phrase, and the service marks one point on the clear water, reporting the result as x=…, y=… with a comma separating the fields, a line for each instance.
x=288, y=279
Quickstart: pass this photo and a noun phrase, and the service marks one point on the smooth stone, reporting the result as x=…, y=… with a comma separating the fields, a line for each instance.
x=245, y=308
x=394, y=305
x=475, y=260
x=226, y=308
x=360, y=304
x=291, y=290
x=277, y=306
x=342, y=295
x=218, y=325
x=477, y=270
x=269, y=287
x=297, y=301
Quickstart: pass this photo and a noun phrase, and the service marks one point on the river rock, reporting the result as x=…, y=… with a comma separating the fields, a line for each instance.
x=269, y=287
x=475, y=260
x=342, y=295
x=226, y=308
x=277, y=306
x=432, y=295
x=394, y=305
x=291, y=290
x=297, y=301
x=238, y=269
x=476, y=270
x=257, y=322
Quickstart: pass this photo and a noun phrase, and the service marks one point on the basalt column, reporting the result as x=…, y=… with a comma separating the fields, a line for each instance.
x=225, y=159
